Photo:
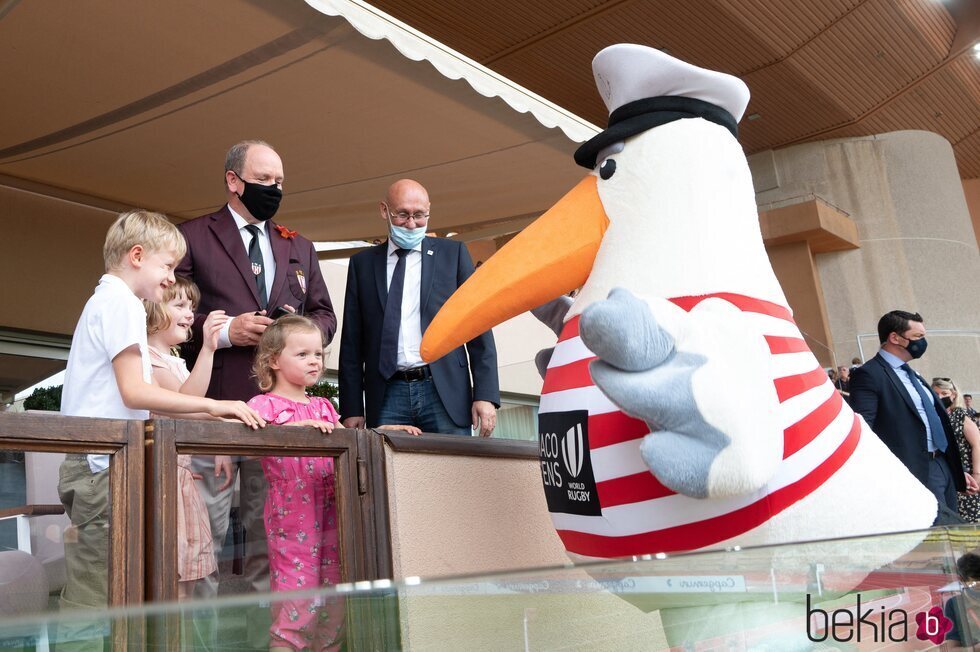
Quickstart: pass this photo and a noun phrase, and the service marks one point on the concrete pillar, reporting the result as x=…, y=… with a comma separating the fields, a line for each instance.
x=917, y=249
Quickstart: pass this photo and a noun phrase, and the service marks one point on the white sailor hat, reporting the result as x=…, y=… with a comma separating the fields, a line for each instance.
x=645, y=88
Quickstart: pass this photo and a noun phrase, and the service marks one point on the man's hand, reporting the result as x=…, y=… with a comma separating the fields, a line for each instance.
x=222, y=464
x=354, y=423
x=247, y=328
x=484, y=417
x=412, y=430
x=972, y=486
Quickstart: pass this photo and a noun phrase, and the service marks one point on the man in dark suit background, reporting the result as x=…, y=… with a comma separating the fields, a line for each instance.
x=247, y=266
x=905, y=413
x=394, y=289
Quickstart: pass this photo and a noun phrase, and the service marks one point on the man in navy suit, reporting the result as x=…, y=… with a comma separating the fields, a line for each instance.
x=905, y=413
x=394, y=290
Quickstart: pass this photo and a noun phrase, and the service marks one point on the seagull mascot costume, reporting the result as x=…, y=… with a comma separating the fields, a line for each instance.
x=681, y=407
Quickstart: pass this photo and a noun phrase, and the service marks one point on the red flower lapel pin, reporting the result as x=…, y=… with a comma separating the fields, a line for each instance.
x=286, y=233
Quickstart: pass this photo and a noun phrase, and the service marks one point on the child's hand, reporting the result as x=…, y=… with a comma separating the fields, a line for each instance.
x=222, y=465
x=323, y=426
x=237, y=410
x=211, y=329
x=412, y=430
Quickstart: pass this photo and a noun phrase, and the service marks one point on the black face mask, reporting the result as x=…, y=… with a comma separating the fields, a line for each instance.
x=916, y=348
x=261, y=201
x=946, y=401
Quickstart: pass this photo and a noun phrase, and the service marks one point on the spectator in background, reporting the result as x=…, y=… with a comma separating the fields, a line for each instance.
x=843, y=382
x=855, y=363
x=967, y=436
x=964, y=609
x=904, y=412
x=968, y=404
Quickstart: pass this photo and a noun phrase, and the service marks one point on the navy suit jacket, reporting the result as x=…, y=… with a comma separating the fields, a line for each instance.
x=878, y=395
x=218, y=263
x=361, y=384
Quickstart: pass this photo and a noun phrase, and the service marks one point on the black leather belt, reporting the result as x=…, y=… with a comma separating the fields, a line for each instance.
x=415, y=373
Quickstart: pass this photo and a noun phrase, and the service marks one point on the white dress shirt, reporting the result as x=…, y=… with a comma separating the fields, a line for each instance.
x=269, y=261
x=410, y=331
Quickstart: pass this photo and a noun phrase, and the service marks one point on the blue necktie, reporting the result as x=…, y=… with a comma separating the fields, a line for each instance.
x=929, y=403
x=388, y=363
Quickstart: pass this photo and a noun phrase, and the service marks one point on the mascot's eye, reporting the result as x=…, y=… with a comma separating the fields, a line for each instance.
x=607, y=169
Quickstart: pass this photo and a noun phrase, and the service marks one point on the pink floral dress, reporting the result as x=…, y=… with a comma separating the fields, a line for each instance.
x=301, y=528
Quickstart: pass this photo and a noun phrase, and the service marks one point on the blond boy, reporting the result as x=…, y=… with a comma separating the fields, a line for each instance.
x=108, y=376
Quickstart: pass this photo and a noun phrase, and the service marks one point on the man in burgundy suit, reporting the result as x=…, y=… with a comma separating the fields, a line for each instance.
x=247, y=266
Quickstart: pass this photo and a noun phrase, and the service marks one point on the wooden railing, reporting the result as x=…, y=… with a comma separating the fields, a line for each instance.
x=123, y=442
x=143, y=497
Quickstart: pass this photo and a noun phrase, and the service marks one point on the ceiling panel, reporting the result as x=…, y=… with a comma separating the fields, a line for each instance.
x=816, y=69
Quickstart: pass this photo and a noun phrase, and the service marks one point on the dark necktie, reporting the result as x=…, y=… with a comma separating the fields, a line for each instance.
x=388, y=364
x=258, y=265
x=929, y=403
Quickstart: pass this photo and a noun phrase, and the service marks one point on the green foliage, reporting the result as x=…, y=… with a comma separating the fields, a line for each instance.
x=44, y=398
x=326, y=390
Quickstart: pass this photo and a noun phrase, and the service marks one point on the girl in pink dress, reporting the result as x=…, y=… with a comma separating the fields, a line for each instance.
x=168, y=324
x=300, y=512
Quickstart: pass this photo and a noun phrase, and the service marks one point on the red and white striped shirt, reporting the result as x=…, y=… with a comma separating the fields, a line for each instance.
x=641, y=516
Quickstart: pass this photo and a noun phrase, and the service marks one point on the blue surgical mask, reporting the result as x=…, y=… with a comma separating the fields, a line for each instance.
x=406, y=238
x=916, y=348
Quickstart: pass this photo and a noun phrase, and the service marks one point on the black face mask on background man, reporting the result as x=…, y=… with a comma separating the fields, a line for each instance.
x=916, y=348
x=261, y=201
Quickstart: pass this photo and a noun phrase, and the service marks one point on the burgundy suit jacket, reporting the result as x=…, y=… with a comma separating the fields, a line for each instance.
x=217, y=262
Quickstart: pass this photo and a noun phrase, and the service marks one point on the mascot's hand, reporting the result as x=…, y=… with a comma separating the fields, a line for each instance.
x=701, y=381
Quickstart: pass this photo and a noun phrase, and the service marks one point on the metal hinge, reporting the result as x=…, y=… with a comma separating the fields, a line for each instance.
x=362, y=476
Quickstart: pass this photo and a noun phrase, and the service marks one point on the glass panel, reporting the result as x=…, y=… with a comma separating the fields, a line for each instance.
x=517, y=422
x=875, y=593
x=54, y=538
x=272, y=523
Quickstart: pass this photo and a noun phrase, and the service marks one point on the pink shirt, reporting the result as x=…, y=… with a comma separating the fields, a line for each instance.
x=279, y=410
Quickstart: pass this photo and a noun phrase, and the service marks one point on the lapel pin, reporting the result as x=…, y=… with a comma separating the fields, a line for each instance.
x=429, y=252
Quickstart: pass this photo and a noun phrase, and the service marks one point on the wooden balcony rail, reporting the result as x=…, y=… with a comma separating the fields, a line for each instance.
x=123, y=442
x=143, y=496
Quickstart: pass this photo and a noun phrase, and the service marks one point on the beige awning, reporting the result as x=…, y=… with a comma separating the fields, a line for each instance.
x=136, y=107
x=108, y=106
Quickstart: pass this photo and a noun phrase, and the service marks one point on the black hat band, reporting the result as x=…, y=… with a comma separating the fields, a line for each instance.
x=640, y=115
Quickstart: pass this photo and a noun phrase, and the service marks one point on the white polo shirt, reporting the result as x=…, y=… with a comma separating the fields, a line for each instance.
x=113, y=320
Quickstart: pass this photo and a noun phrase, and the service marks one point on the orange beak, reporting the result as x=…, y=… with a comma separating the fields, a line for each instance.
x=551, y=257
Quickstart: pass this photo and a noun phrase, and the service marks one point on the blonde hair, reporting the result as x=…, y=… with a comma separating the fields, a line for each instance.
x=153, y=231
x=948, y=384
x=273, y=341
x=157, y=315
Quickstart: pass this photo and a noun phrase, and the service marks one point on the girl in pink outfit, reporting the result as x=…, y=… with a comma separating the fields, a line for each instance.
x=300, y=512
x=168, y=324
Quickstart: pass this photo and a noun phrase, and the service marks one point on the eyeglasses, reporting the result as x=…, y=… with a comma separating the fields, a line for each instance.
x=404, y=216
x=942, y=379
